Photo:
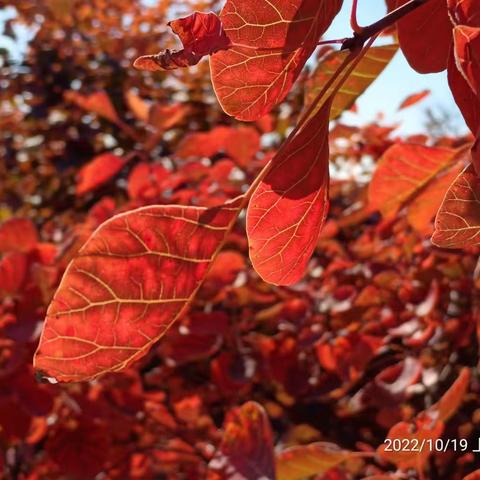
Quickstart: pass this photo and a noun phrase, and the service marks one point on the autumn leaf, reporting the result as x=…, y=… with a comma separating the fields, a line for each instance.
x=246, y=450
x=128, y=284
x=17, y=235
x=413, y=99
x=458, y=221
x=464, y=12
x=364, y=74
x=200, y=33
x=425, y=35
x=426, y=427
x=403, y=171
x=270, y=44
x=97, y=172
x=299, y=462
x=423, y=207
x=288, y=208
x=96, y=102
x=467, y=57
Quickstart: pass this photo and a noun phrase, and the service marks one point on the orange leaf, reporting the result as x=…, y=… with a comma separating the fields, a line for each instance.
x=246, y=450
x=128, y=284
x=413, y=99
x=299, y=462
x=458, y=221
x=403, y=171
x=97, y=102
x=288, y=208
x=249, y=81
x=98, y=171
x=453, y=397
x=139, y=107
x=364, y=74
x=425, y=205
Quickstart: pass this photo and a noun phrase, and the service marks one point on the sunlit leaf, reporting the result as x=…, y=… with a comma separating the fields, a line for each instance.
x=133, y=278
x=271, y=42
x=288, y=208
x=457, y=224
x=467, y=56
x=364, y=74
x=413, y=99
x=403, y=171
x=299, y=462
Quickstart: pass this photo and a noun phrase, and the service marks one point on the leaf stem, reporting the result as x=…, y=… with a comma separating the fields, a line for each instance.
x=360, y=37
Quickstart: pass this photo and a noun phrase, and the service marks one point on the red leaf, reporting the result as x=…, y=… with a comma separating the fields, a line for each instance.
x=425, y=35
x=18, y=235
x=458, y=221
x=145, y=181
x=241, y=144
x=464, y=12
x=467, y=56
x=133, y=278
x=453, y=397
x=97, y=102
x=13, y=269
x=271, y=42
x=246, y=450
x=200, y=33
x=288, y=208
x=403, y=171
x=413, y=99
x=98, y=171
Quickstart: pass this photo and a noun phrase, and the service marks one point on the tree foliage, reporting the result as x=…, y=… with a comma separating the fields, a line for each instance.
x=304, y=319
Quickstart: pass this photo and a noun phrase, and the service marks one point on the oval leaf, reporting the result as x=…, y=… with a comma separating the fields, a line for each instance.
x=129, y=283
x=271, y=41
x=425, y=35
x=288, y=209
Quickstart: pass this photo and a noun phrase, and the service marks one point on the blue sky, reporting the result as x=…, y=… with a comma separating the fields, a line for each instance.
x=397, y=81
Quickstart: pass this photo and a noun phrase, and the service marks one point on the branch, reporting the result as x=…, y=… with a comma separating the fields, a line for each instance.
x=359, y=38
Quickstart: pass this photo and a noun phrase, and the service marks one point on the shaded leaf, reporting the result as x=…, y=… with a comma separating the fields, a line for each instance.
x=464, y=12
x=453, y=397
x=425, y=35
x=288, y=208
x=246, y=451
x=403, y=171
x=299, y=462
x=249, y=81
x=200, y=33
x=364, y=74
x=133, y=278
